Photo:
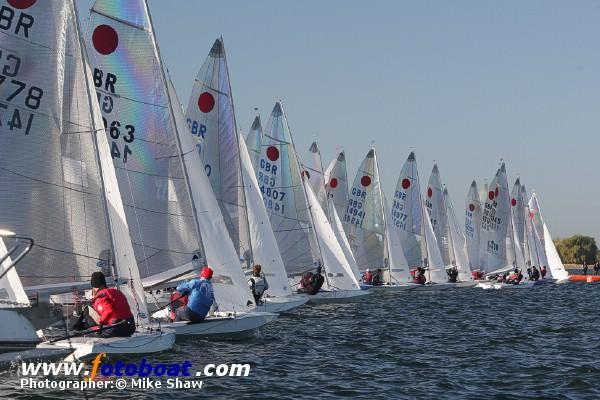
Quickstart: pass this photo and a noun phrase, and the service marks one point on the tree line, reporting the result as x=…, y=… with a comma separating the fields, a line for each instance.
x=577, y=249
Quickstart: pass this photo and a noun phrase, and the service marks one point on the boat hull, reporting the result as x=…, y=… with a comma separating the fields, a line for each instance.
x=241, y=324
x=337, y=296
x=435, y=286
x=16, y=331
x=282, y=304
x=391, y=287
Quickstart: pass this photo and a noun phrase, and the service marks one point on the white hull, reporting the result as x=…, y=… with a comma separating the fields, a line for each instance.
x=16, y=331
x=226, y=325
x=282, y=304
x=393, y=286
x=436, y=286
x=337, y=296
x=497, y=286
x=81, y=348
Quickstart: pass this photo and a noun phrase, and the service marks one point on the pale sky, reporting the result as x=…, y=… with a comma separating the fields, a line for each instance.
x=464, y=83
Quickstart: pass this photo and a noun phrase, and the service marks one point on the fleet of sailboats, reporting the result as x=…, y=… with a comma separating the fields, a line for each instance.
x=108, y=172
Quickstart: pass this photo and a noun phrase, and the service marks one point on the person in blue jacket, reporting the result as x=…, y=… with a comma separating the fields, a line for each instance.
x=200, y=297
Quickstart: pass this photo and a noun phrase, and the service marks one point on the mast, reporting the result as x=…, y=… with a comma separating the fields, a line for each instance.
x=174, y=126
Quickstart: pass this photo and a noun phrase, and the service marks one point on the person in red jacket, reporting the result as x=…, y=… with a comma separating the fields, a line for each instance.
x=109, y=306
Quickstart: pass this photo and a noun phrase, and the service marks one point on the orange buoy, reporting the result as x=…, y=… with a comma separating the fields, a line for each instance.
x=584, y=278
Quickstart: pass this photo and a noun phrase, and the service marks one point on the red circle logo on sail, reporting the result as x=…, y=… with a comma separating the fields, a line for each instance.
x=471, y=207
x=365, y=181
x=105, y=39
x=21, y=4
x=491, y=195
x=513, y=202
x=429, y=192
x=273, y=153
x=206, y=102
x=405, y=183
x=333, y=183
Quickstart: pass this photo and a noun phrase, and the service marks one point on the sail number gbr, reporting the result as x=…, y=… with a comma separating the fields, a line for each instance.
x=17, y=96
x=121, y=134
x=355, y=212
x=399, y=218
x=272, y=196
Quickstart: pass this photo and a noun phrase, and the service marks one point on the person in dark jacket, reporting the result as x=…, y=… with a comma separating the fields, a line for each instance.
x=535, y=274
x=109, y=306
x=201, y=297
x=584, y=268
x=378, y=278
x=313, y=284
x=452, y=273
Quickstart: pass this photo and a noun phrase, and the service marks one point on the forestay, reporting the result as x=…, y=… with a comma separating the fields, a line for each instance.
x=364, y=215
x=407, y=212
x=211, y=118
x=494, y=224
x=473, y=216
x=281, y=186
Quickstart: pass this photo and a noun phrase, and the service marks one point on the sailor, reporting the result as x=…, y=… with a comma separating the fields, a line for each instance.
x=313, y=286
x=519, y=276
x=514, y=277
x=258, y=283
x=535, y=274
x=201, y=298
x=109, y=306
x=596, y=268
x=452, y=273
x=529, y=271
x=543, y=271
x=584, y=268
x=367, y=277
x=378, y=278
x=419, y=276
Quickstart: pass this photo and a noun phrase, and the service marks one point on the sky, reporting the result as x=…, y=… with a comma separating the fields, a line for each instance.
x=464, y=83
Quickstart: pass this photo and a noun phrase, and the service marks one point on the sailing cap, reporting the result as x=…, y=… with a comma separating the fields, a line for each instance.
x=206, y=273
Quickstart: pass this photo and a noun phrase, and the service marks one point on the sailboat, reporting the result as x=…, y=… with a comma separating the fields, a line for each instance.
x=316, y=178
x=16, y=330
x=303, y=232
x=76, y=215
x=555, y=266
x=449, y=238
x=472, y=227
x=169, y=203
x=365, y=217
x=336, y=183
x=233, y=181
x=415, y=230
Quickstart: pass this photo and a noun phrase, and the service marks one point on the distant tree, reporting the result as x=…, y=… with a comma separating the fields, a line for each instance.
x=577, y=249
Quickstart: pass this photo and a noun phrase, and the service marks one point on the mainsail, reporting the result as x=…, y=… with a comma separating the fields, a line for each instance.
x=336, y=183
x=473, y=226
x=407, y=212
x=364, y=215
x=253, y=141
x=55, y=159
x=315, y=175
x=494, y=224
x=436, y=208
x=210, y=116
x=459, y=245
x=170, y=203
x=518, y=207
x=281, y=186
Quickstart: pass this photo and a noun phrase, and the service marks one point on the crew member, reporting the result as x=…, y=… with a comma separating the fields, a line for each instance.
x=419, y=276
x=452, y=273
x=367, y=277
x=535, y=274
x=378, y=277
x=258, y=283
x=543, y=271
x=109, y=306
x=313, y=284
x=200, y=297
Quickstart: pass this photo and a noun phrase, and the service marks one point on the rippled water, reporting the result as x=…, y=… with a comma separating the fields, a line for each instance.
x=462, y=343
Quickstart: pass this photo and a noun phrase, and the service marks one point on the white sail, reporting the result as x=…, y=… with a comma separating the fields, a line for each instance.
x=536, y=216
x=314, y=172
x=339, y=275
x=407, y=212
x=283, y=194
x=397, y=269
x=264, y=245
x=536, y=253
x=12, y=294
x=555, y=265
x=364, y=215
x=253, y=141
x=340, y=235
x=336, y=183
x=494, y=225
x=458, y=240
x=55, y=159
x=436, y=270
x=436, y=209
x=473, y=216
x=518, y=207
x=211, y=118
